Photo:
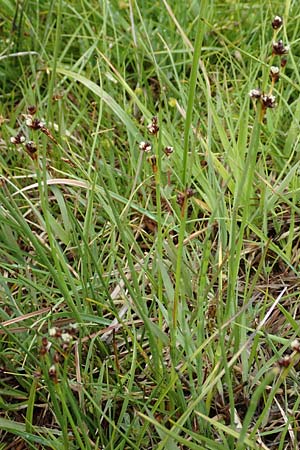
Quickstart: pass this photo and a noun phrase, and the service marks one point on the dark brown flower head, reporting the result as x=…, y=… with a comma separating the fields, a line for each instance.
x=274, y=73
x=285, y=361
x=35, y=124
x=43, y=351
x=189, y=192
x=268, y=101
x=153, y=162
x=45, y=347
x=53, y=374
x=153, y=127
x=168, y=150
x=279, y=48
x=255, y=93
x=31, y=147
x=145, y=147
x=44, y=341
x=277, y=22
x=183, y=196
x=18, y=139
x=73, y=329
x=56, y=357
x=283, y=62
x=32, y=109
x=180, y=199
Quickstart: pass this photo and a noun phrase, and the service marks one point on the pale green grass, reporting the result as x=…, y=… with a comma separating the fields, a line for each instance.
x=182, y=312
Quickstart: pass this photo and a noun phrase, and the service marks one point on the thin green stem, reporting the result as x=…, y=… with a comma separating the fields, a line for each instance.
x=186, y=171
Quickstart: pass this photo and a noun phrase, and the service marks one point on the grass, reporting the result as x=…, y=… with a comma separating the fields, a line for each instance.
x=148, y=300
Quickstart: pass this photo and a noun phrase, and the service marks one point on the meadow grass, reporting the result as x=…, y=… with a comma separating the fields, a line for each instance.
x=148, y=299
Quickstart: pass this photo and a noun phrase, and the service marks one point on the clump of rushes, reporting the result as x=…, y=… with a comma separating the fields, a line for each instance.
x=268, y=100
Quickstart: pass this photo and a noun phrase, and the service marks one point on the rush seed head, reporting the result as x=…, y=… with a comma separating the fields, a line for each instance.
x=255, y=93
x=31, y=109
x=18, y=139
x=295, y=346
x=274, y=73
x=31, y=147
x=168, y=150
x=283, y=62
x=277, y=22
x=279, y=48
x=153, y=127
x=35, y=124
x=268, y=101
x=285, y=361
x=145, y=147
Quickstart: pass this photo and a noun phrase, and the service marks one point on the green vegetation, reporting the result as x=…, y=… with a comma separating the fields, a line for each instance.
x=149, y=229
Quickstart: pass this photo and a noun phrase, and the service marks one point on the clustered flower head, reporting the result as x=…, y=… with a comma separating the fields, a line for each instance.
x=279, y=48
x=277, y=22
x=291, y=359
x=182, y=196
x=18, y=139
x=168, y=150
x=268, y=100
x=34, y=124
x=153, y=127
x=145, y=147
x=274, y=73
x=255, y=93
x=56, y=346
x=31, y=148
